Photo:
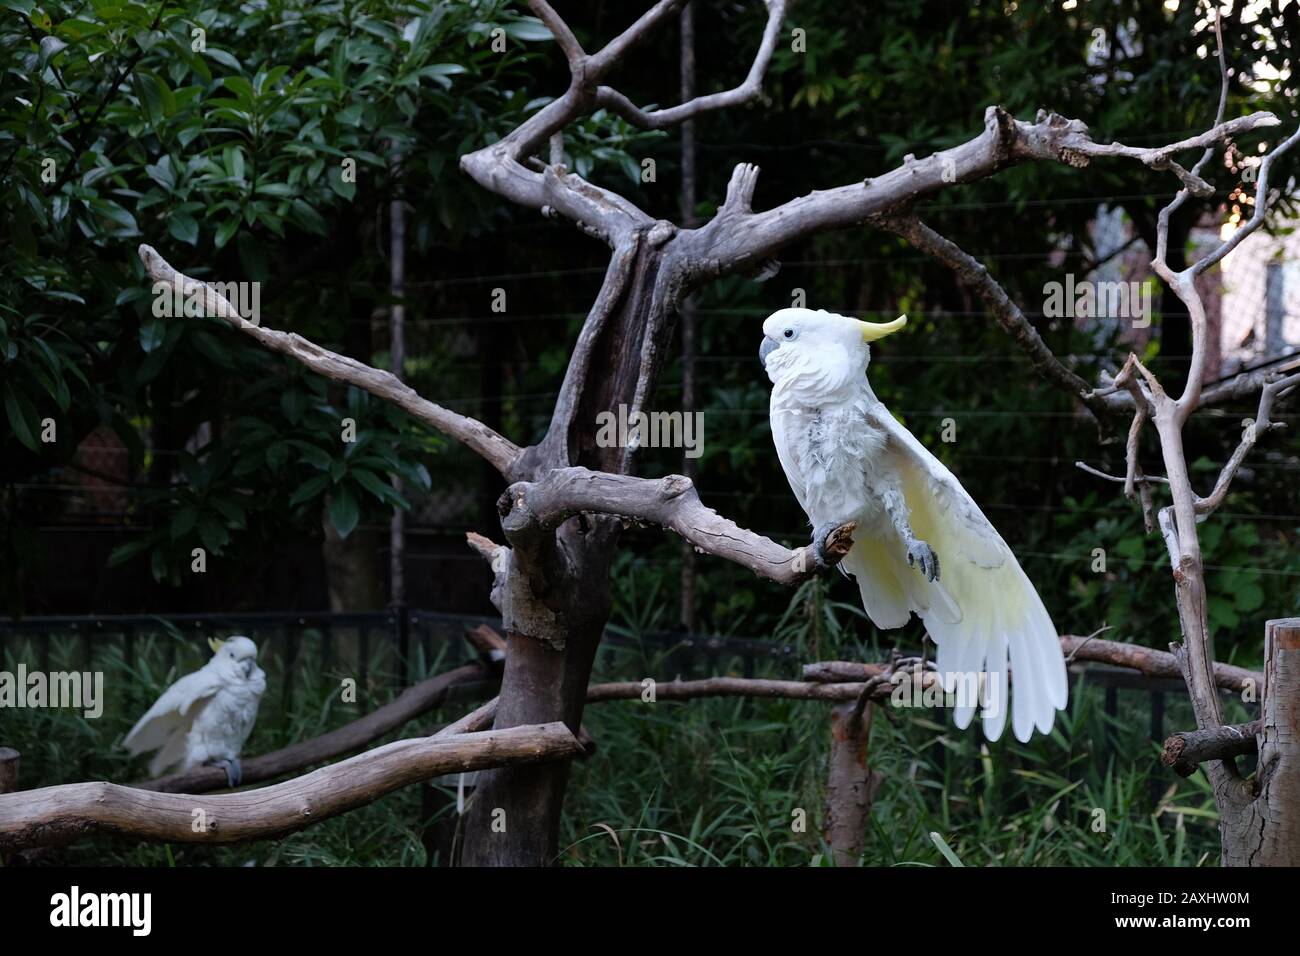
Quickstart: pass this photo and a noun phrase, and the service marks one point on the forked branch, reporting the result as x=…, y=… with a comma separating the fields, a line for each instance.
x=670, y=502
x=500, y=452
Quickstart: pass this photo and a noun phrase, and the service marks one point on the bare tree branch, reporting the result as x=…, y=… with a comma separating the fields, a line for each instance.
x=974, y=275
x=55, y=815
x=671, y=502
x=498, y=451
x=1183, y=753
x=725, y=687
x=738, y=240
x=1146, y=660
x=615, y=101
x=1253, y=429
x=568, y=43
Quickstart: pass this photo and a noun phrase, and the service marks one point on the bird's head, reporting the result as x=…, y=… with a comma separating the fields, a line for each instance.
x=237, y=654
x=829, y=350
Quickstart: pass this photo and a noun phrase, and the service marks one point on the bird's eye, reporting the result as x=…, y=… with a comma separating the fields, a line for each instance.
x=788, y=333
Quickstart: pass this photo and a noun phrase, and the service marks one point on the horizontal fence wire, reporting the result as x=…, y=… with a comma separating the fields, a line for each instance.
x=394, y=648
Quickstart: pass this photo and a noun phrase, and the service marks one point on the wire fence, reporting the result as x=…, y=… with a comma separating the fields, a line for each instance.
x=389, y=650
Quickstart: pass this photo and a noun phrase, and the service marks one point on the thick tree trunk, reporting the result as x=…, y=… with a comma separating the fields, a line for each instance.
x=852, y=784
x=1265, y=830
x=514, y=818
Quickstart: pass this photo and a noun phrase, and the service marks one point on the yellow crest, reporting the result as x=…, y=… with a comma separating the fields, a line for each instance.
x=878, y=330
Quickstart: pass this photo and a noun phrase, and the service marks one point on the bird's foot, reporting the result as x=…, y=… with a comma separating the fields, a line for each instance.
x=234, y=771
x=909, y=665
x=831, y=541
x=921, y=556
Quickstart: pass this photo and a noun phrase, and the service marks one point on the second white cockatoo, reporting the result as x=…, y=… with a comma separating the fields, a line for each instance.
x=921, y=544
x=205, y=717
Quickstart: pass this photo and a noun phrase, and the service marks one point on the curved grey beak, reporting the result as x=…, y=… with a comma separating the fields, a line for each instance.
x=769, y=346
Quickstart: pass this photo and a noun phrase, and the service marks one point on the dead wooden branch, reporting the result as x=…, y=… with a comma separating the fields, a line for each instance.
x=724, y=687
x=1146, y=660
x=1251, y=431
x=498, y=451
x=1184, y=752
x=737, y=240
x=411, y=703
x=670, y=502
x=851, y=785
x=616, y=102
x=974, y=275
x=56, y=815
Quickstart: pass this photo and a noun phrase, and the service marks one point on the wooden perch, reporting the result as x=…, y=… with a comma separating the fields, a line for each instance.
x=851, y=785
x=1148, y=661
x=671, y=502
x=1184, y=752
x=56, y=815
x=724, y=687
x=496, y=450
x=411, y=703
x=740, y=238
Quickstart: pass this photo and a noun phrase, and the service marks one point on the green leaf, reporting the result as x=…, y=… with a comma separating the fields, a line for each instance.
x=20, y=412
x=226, y=230
x=528, y=28
x=277, y=455
x=344, y=510
x=152, y=333
x=233, y=157
x=183, y=522
x=224, y=58
x=162, y=173
x=945, y=849
x=184, y=227
x=214, y=534
x=293, y=403
x=51, y=46
x=125, y=552
x=307, y=218
x=309, y=489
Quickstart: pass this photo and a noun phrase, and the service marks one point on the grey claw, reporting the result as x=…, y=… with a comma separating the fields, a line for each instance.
x=234, y=771
x=820, y=533
x=921, y=555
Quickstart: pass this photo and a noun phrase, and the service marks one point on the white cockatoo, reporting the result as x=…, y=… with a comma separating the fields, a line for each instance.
x=205, y=717
x=921, y=544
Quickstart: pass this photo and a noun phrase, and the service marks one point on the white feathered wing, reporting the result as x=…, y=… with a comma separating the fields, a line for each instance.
x=168, y=722
x=982, y=612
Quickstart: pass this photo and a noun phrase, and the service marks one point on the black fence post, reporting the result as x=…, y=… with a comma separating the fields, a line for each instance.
x=403, y=623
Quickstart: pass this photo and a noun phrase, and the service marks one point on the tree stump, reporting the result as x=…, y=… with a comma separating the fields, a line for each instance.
x=852, y=784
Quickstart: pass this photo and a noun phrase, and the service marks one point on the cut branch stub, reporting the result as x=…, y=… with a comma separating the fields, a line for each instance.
x=1184, y=752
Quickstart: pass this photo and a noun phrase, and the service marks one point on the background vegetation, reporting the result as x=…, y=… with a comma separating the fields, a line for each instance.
x=228, y=160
